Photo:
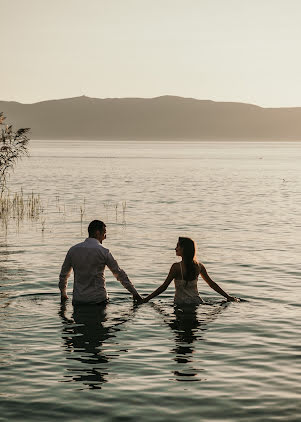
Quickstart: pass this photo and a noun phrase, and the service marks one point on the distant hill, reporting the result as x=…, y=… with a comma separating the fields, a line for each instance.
x=158, y=118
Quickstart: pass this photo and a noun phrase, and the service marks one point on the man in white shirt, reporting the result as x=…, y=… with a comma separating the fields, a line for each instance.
x=88, y=260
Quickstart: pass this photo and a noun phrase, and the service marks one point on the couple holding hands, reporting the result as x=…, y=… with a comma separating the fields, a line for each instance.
x=88, y=260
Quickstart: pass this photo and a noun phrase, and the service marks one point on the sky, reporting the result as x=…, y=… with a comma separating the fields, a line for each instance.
x=222, y=50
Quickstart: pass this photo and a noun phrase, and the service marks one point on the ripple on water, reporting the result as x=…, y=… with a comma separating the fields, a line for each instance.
x=221, y=362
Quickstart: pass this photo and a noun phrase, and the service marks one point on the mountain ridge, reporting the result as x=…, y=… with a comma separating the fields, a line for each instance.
x=164, y=117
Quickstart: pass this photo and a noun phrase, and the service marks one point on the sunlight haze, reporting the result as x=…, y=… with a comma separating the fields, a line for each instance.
x=244, y=51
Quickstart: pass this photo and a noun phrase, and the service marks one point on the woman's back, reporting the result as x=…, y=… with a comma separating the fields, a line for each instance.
x=186, y=291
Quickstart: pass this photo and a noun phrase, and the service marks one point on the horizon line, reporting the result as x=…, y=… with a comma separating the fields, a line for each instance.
x=147, y=98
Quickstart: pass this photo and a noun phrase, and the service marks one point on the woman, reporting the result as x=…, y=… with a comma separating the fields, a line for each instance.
x=185, y=274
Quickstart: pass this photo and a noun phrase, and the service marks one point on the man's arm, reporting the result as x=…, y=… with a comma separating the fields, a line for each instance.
x=64, y=274
x=121, y=276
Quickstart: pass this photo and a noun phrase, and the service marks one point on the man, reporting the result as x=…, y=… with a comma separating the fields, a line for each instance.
x=88, y=260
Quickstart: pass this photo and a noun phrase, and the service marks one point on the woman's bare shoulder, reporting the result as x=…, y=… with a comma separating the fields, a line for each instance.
x=201, y=267
x=175, y=268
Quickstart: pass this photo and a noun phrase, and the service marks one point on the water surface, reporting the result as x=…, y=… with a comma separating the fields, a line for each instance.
x=241, y=202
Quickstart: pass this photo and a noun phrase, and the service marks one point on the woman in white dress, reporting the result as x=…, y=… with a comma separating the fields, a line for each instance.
x=185, y=275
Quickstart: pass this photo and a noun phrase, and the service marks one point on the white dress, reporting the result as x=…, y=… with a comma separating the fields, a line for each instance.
x=187, y=291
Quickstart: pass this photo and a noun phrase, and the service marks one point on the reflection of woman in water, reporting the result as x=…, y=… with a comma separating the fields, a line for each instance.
x=188, y=325
x=185, y=274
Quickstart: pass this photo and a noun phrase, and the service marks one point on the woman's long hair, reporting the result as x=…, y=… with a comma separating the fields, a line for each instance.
x=189, y=258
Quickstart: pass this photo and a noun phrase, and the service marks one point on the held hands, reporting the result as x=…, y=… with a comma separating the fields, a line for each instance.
x=137, y=298
x=145, y=299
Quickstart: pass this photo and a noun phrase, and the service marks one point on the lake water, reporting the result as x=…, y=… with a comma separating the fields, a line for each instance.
x=241, y=202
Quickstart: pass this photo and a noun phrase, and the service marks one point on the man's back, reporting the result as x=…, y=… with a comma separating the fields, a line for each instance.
x=88, y=260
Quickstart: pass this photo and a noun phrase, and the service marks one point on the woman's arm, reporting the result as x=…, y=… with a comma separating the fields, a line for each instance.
x=214, y=285
x=159, y=290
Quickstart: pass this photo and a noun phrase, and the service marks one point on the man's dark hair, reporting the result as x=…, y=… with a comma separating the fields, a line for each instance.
x=94, y=226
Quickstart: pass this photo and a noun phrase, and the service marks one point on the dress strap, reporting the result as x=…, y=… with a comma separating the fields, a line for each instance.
x=181, y=270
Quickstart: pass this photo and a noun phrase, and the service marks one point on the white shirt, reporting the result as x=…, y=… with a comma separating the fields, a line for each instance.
x=88, y=260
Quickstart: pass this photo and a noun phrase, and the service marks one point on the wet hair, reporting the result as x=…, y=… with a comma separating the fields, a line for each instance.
x=189, y=258
x=94, y=226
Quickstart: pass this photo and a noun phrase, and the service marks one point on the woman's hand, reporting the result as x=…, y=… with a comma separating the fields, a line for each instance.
x=233, y=299
x=145, y=299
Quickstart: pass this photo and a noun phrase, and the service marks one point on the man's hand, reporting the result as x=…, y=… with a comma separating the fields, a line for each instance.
x=64, y=297
x=137, y=298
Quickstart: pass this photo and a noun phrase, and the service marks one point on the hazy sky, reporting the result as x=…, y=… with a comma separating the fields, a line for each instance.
x=224, y=50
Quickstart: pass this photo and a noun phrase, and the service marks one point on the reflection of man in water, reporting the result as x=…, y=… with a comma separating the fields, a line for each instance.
x=85, y=337
x=88, y=260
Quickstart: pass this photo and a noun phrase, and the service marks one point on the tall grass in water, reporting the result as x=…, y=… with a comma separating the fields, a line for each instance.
x=123, y=212
x=82, y=213
x=19, y=207
x=34, y=206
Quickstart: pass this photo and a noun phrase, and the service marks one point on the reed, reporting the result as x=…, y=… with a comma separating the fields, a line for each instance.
x=116, y=211
x=123, y=212
x=18, y=207
x=82, y=209
x=21, y=207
